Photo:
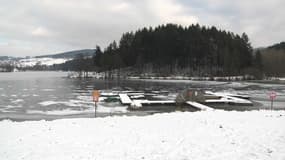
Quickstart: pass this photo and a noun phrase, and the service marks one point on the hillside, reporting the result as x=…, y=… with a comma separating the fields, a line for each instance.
x=70, y=54
x=278, y=46
x=42, y=62
x=4, y=58
x=273, y=58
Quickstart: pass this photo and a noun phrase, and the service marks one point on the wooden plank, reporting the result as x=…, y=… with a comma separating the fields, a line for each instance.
x=145, y=101
x=243, y=96
x=136, y=104
x=199, y=106
x=226, y=98
x=139, y=102
x=125, y=99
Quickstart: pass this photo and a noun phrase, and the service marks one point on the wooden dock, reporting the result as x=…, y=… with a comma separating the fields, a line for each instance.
x=136, y=99
x=200, y=106
x=228, y=98
x=137, y=103
x=125, y=99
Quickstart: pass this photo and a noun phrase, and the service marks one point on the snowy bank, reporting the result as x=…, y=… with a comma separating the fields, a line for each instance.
x=199, y=135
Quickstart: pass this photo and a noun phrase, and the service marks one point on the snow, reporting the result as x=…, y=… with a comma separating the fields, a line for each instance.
x=217, y=135
x=199, y=106
x=137, y=96
x=125, y=99
x=48, y=103
x=71, y=102
x=42, y=61
x=109, y=94
x=102, y=109
x=138, y=102
x=226, y=98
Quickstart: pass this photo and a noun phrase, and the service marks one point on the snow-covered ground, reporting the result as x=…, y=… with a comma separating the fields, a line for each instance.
x=219, y=135
x=32, y=61
x=28, y=62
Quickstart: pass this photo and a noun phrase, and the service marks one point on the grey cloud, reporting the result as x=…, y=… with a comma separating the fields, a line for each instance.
x=34, y=27
x=262, y=20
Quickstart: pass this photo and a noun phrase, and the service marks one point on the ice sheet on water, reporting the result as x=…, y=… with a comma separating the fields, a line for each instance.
x=3, y=110
x=100, y=109
x=103, y=109
x=59, y=112
x=48, y=103
x=17, y=101
x=71, y=103
x=10, y=106
x=236, y=85
x=85, y=98
x=48, y=89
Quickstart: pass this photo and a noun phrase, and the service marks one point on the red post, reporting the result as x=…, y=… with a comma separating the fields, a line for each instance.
x=96, y=95
x=272, y=96
x=95, y=103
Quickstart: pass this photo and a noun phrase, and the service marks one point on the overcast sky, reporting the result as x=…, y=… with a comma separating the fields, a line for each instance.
x=37, y=27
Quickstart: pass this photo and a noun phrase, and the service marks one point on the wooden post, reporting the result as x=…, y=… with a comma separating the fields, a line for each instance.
x=95, y=108
x=271, y=104
x=96, y=95
x=272, y=96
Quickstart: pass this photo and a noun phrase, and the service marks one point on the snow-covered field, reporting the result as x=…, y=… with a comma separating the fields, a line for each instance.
x=28, y=62
x=219, y=135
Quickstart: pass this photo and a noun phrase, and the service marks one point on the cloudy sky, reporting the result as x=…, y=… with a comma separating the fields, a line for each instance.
x=36, y=27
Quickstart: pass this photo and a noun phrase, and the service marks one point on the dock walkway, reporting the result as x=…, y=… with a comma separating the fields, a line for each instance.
x=125, y=99
x=200, y=106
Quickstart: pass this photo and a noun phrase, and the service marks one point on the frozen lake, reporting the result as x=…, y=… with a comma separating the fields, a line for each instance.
x=50, y=95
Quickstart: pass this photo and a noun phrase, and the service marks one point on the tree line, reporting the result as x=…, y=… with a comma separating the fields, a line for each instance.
x=272, y=60
x=173, y=50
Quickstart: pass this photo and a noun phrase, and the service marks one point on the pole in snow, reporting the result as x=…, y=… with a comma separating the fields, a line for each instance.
x=95, y=105
x=272, y=96
x=96, y=95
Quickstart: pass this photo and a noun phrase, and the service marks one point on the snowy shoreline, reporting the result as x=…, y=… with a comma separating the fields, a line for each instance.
x=179, y=135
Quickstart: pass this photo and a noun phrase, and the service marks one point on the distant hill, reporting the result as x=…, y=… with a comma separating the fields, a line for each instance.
x=70, y=54
x=278, y=46
x=6, y=58
x=64, y=55
x=46, y=60
x=273, y=58
x=3, y=58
